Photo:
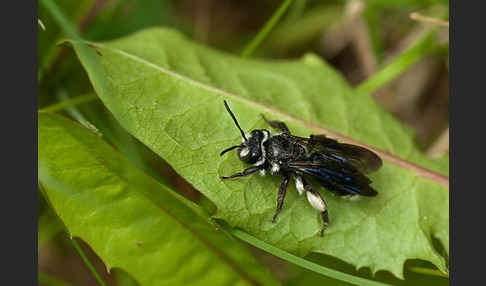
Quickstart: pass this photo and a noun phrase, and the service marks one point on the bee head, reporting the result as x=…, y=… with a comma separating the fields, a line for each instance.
x=252, y=150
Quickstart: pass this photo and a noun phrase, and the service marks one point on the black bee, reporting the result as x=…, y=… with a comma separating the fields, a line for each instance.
x=338, y=167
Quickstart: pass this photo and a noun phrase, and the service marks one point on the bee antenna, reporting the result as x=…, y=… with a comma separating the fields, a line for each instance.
x=234, y=119
x=229, y=149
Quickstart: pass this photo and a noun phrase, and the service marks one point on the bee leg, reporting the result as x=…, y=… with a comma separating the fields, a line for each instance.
x=325, y=222
x=277, y=125
x=245, y=173
x=317, y=202
x=282, y=190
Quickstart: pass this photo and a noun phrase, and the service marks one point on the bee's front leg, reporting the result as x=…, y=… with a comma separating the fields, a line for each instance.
x=282, y=190
x=245, y=172
x=317, y=202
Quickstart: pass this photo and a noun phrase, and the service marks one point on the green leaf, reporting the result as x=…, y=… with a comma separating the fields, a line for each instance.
x=168, y=91
x=131, y=221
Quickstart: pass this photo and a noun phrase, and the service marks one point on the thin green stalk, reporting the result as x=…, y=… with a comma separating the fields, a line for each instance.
x=48, y=280
x=422, y=47
x=70, y=102
x=88, y=263
x=250, y=48
x=302, y=262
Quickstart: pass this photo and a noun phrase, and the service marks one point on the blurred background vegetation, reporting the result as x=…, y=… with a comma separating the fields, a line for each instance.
x=359, y=38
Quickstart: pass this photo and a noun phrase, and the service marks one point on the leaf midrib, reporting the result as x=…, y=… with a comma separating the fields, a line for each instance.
x=395, y=160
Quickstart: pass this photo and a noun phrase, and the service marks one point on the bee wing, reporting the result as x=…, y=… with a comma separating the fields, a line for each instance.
x=337, y=176
x=361, y=158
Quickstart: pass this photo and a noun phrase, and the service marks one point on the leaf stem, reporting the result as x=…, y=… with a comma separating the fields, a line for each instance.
x=422, y=47
x=70, y=102
x=250, y=48
x=302, y=262
x=88, y=263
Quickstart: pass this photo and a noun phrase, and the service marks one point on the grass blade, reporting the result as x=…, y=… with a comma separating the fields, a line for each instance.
x=250, y=48
x=412, y=55
x=302, y=262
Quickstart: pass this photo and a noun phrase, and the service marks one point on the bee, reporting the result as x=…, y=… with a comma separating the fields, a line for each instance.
x=338, y=167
